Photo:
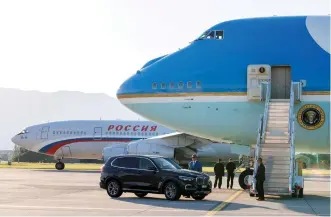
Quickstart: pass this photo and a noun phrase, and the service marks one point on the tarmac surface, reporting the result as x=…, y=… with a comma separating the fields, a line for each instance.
x=27, y=192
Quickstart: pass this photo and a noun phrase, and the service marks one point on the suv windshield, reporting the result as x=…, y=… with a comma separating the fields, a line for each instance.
x=165, y=163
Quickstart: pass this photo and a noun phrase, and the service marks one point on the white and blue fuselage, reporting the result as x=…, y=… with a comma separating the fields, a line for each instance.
x=204, y=88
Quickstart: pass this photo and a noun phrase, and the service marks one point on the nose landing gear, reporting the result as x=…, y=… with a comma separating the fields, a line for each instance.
x=59, y=165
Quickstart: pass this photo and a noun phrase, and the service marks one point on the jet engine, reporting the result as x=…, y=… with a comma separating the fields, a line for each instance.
x=113, y=150
x=144, y=148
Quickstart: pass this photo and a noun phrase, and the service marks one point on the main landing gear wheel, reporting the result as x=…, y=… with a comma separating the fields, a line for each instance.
x=59, y=165
x=243, y=178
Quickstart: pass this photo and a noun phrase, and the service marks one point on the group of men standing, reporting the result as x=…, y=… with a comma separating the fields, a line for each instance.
x=219, y=173
x=231, y=167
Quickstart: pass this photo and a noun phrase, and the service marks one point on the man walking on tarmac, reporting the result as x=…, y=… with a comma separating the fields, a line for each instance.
x=219, y=173
x=260, y=177
x=230, y=167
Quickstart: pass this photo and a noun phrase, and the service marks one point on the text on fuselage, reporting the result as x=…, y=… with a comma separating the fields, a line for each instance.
x=133, y=128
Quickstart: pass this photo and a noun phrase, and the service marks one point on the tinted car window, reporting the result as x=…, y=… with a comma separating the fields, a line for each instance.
x=164, y=163
x=127, y=162
x=145, y=164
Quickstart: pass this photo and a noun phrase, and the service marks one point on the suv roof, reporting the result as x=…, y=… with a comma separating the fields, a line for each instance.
x=138, y=155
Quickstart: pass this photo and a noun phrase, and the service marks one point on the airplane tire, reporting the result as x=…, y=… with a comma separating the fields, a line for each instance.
x=242, y=178
x=59, y=166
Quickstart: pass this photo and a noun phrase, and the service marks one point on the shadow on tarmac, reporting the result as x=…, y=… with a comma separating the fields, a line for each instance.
x=203, y=205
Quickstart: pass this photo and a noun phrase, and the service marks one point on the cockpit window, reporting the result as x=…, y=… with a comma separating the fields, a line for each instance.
x=23, y=132
x=219, y=34
x=214, y=34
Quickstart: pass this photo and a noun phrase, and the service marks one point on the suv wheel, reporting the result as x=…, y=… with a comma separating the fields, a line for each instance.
x=198, y=197
x=114, y=189
x=140, y=195
x=171, y=191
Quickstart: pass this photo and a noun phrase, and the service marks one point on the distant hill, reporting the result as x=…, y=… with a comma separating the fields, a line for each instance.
x=23, y=108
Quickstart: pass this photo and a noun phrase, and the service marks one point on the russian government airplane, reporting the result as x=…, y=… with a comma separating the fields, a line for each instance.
x=100, y=139
x=251, y=81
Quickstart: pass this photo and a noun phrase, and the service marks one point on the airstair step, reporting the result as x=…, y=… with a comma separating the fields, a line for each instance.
x=276, y=129
x=276, y=133
x=278, y=118
x=270, y=176
x=277, y=167
x=279, y=171
x=268, y=158
x=270, y=190
x=278, y=176
x=283, y=137
x=276, y=141
x=276, y=162
x=277, y=180
x=280, y=100
x=278, y=110
x=275, y=145
x=278, y=114
x=278, y=107
x=279, y=104
x=277, y=125
x=277, y=121
x=274, y=153
x=275, y=185
x=276, y=149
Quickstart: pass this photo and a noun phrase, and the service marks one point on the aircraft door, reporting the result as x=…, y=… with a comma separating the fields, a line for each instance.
x=97, y=135
x=256, y=74
x=280, y=82
x=44, y=132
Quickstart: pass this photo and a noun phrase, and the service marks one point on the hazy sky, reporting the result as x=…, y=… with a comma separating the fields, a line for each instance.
x=93, y=46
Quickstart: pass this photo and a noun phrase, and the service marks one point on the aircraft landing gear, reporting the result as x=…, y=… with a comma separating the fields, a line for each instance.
x=59, y=165
x=243, y=178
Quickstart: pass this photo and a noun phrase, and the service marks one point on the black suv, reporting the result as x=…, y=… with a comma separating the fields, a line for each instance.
x=152, y=174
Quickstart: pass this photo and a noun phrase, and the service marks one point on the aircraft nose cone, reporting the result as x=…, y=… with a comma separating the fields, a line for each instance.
x=15, y=140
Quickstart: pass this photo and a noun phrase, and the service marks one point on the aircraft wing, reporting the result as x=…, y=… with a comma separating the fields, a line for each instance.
x=177, y=140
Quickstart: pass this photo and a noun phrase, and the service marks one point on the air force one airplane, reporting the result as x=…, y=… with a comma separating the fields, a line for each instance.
x=263, y=81
x=85, y=139
x=212, y=88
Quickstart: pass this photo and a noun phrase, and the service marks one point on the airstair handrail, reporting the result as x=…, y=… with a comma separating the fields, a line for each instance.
x=291, y=132
x=257, y=150
x=266, y=109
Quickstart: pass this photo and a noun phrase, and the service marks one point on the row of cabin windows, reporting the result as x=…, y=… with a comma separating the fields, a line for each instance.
x=180, y=85
x=107, y=133
x=69, y=132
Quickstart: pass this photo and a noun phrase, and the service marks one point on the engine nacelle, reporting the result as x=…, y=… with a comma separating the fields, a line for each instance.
x=148, y=148
x=113, y=150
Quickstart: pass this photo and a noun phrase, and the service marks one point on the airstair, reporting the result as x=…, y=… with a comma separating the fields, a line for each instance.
x=275, y=144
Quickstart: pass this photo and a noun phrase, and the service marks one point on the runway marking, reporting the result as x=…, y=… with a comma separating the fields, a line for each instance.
x=226, y=202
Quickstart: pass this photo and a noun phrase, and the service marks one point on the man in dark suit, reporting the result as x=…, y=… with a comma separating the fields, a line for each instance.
x=260, y=177
x=230, y=167
x=219, y=173
x=195, y=164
